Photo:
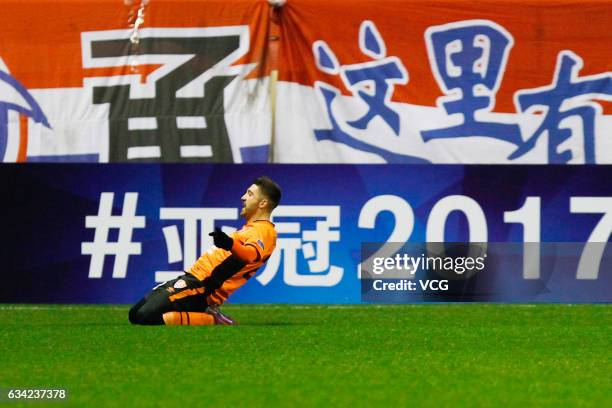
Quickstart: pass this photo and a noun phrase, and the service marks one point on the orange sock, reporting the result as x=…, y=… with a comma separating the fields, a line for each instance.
x=188, y=318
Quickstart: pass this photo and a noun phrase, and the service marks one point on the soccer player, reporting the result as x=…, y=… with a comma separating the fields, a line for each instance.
x=194, y=297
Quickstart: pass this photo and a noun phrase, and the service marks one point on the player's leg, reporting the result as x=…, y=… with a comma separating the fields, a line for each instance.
x=190, y=307
x=188, y=319
x=150, y=309
x=176, y=302
x=181, y=301
x=133, y=315
x=189, y=304
x=212, y=316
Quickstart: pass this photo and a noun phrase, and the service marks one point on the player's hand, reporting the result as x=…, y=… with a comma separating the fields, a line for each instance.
x=221, y=239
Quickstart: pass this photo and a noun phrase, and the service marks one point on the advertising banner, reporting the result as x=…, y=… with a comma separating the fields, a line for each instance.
x=126, y=81
x=107, y=233
x=444, y=82
x=502, y=82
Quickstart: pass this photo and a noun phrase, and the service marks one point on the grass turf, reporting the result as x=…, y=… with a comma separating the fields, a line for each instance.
x=425, y=355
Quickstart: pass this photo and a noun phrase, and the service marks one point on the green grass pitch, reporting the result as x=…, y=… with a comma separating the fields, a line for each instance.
x=417, y=355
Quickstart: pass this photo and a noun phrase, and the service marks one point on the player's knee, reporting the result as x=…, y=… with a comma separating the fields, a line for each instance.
x=146, y=314
x=134, y=316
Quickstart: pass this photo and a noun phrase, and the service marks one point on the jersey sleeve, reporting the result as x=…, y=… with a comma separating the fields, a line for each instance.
x=257, y=238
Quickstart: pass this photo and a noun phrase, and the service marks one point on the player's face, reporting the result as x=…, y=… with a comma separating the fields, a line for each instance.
x=251, y=201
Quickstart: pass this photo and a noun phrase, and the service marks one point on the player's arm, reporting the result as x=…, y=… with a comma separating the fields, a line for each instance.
x=246, y=253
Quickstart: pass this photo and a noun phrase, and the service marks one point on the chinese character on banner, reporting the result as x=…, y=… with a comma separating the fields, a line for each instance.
x=186, y=249
x=176, y=112
x=314, y=245
x=576, y=95
x=373, y=83
x=468, y=59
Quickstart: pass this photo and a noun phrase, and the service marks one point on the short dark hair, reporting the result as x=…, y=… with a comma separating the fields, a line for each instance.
x=270, y=190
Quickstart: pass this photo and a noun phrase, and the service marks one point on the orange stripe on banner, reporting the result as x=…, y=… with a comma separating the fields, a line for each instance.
x=143, y=70
x=606, y=107
x=46, y=21
x=23, y=139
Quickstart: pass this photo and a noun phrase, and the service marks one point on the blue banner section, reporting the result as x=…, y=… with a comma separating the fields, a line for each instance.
x=109, y=233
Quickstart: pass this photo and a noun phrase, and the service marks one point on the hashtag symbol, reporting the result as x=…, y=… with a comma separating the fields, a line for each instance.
x=102, y=223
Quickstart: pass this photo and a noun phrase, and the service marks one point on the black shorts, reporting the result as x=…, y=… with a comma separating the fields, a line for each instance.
x=183, y=294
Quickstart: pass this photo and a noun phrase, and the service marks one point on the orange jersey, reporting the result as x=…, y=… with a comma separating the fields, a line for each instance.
x=223, y=273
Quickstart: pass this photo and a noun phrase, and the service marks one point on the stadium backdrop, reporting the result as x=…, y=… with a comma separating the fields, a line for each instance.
x=108, y=233
x=379, y=95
